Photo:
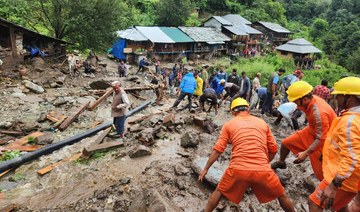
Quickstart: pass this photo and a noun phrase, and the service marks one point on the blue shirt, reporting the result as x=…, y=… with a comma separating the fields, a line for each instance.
x=262, y=92
x=222, y=75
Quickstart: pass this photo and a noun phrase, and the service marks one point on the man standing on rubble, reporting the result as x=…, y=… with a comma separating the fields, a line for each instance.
x=119, y=108
x=272, y=87
x=309, y=141
x=341, y=152
x=187, y=88
x=253, y=147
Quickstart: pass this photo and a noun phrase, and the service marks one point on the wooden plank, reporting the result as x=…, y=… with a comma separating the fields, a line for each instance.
x=11, y=132
x=101, y=99
x=13, y=42
x=101, y=137
x=24, y=140
x=57, y=124
x=106, y=145
x=138, y=88
x=137, y=96
x=21, y=148
x=5, y=172
x=47, y=169
x=72, y=118
x=55, y=117
x=96, y=123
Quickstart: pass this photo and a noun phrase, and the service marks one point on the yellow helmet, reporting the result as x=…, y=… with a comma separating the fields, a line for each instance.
x=239, y=102
x=298, y=90
x=347, y=86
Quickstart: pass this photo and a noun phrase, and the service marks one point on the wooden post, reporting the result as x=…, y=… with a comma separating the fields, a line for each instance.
x=13, y=42
x=101, y=99
x=72, y=118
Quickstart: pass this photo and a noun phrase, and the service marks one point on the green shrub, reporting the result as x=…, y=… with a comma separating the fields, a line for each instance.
x=8, y=155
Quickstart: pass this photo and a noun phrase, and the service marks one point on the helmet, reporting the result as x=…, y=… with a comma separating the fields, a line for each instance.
x=347, y=86
x=298, y=90
x=297, y=72
x=238, y=102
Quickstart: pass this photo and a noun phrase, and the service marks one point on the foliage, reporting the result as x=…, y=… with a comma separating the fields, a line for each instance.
x=353, y=61
x=193, y=20
x=31, y=140
x=18, y=177
x=8, y=155
x=179, y=10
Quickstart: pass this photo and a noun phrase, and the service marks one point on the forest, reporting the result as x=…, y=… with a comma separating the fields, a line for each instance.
x=331, y=25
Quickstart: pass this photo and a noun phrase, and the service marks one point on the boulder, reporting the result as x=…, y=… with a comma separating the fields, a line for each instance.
x=189, y=140
x=181, y=170
x=33, y=87
x=146, y=136
x=59, y=101
x=38, y=64
x=139, y=151
x=100, y=85
x=215, y=172
x=45, y=139
x=169, y=119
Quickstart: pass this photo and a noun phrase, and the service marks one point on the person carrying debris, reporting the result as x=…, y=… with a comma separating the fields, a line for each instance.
x=159, y=90
x=209, y=95
x=232, y=90
x=272, y=87
x=142, y=65
x=253, y=147
x=119, y=108
x=290, y=112
x=187, y=88
x=288, y=80
x=309, y=141
x=341, y=152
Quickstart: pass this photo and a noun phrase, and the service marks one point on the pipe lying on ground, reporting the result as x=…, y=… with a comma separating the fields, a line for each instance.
x=13, y=163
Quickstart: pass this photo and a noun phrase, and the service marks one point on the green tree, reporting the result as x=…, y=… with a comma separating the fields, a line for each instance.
x=173, y=12
x=319, y=28
x=353, y=61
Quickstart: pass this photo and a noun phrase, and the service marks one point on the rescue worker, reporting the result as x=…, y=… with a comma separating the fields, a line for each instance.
x=341, y=152
x=309, y=141
x=253, y=147
x=209, y=95
x=354, y=205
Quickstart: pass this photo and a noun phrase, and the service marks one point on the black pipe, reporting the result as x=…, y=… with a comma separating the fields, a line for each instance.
x=13, y=163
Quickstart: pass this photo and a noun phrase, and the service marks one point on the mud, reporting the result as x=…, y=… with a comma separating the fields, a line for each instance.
x=111, y=180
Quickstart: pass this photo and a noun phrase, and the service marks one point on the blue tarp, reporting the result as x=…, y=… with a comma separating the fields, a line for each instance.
x=118, y=49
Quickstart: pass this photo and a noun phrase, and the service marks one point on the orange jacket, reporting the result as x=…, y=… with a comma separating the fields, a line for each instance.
x=341, y=152
x=250, y=139
x=320, y=115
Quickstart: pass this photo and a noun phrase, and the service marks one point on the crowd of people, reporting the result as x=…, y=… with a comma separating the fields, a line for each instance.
x=330, y=139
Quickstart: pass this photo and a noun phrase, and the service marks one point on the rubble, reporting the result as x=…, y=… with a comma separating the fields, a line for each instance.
x=139, y=151
x=33, y=87
x=189, y=139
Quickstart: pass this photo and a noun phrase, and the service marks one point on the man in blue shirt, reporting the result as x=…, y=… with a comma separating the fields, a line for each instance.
x=222, y=73
x=272, y=87
x=187, y=88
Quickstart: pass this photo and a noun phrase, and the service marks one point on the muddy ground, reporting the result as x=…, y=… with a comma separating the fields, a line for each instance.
x=161, y=176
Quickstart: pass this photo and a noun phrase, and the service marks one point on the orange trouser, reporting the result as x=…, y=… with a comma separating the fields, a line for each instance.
x=299, y=142
x=264, y=184
x=342, y=198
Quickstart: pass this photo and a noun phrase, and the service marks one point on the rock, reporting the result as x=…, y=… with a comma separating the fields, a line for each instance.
x=85, y=99
x=42, y=118
x=181, y=170
x=5, y=124
x=311, y=183
x=205, y=137
x=189, y=140
x=55, y=85
x=139, y=202
x=7, y=185
x=180, y=184
x=60, y=80
x=38, y=64
x=136, y=128
x=45, y=139
x=100, y=85
x=18, y=95
x=59, y=101
x=33, y=87
x=204, y=123
x=178, y=128
x=125, y=180
x=146, y=136
x=154, y=120
x=139, y=151
x=215, y=172
x=169, y=119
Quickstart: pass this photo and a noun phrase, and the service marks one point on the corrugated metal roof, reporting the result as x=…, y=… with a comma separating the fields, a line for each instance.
x=242, y=30
x=274, y=27
x=236, y=19
x=300, y=46
x=131, y=34
x=236, y=30
x=154, y=34
x=176, y=35
x=223, y=21
x=204, y=34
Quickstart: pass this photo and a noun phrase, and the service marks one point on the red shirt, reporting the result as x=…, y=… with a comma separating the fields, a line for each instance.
x=322, y=91
x=250, y=139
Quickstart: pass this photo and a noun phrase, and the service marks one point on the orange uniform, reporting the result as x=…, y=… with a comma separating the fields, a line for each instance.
x=341, y=155
x=320, y=115
x=251, y=141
